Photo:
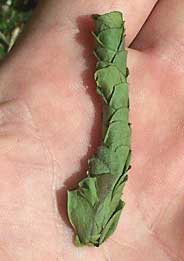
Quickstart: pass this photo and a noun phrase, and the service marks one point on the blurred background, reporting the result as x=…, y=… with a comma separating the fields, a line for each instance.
x=13, y=16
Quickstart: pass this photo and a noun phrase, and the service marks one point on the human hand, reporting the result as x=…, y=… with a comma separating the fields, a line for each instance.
x=50, y=114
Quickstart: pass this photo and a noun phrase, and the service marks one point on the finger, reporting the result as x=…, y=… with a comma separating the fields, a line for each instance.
x=45, y=36
x=57, y=14
x=164, y=30
x=135, y=13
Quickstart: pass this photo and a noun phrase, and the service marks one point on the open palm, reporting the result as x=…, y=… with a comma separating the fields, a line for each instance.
x=50, y=124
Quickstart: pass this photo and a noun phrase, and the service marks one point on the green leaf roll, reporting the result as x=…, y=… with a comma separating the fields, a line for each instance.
x=94, y=208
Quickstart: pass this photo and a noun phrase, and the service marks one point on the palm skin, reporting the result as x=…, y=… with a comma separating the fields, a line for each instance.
x=50, y=118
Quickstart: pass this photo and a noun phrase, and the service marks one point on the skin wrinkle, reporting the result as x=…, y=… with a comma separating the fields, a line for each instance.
x=55, y=209
x=32, y=118
x=166, y=248
x=156, y=236
x=16, y=110
x=57, y=172
x=123, y=245
x=11, y=146
x=17, y=225
x=3, y=250
x=53, y=186
x=29, y=124
x=106, y=257
x=35, y=166
x=159, y=217
x=34, y=210
x=149, y=228
x=23, y=164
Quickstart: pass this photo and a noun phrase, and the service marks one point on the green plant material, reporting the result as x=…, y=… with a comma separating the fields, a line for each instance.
x=13, y=16
x=94, y=208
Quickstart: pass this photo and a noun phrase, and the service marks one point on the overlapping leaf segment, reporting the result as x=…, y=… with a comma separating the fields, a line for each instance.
x=95, y=206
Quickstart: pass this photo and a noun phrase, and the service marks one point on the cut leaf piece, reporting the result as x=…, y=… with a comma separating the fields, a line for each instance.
x=94, y=207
